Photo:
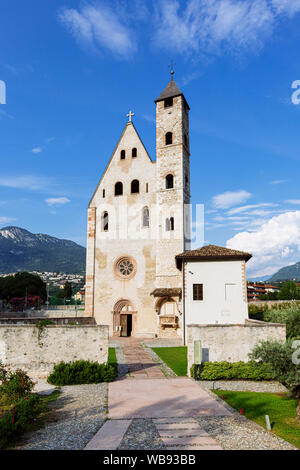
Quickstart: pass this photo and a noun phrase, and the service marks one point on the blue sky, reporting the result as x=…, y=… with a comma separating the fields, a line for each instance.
x=73, y=70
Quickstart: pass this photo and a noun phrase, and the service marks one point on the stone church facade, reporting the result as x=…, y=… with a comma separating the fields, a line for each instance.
x=138, y=221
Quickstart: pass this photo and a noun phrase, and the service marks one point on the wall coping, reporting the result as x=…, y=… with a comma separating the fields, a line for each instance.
x=9, y=325
x=244, y=325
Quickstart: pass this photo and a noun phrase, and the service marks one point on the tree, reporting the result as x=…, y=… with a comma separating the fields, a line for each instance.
x=68, y=290
x=289, y=291
x=22, y=285
x=284, y=359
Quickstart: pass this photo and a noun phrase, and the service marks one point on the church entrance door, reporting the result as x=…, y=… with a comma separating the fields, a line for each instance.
x=126, y=325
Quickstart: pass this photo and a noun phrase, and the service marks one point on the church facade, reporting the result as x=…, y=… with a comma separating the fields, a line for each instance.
x=138, y=221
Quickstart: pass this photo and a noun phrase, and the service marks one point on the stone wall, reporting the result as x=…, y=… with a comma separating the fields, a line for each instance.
x=38, y=350
x=231, y=343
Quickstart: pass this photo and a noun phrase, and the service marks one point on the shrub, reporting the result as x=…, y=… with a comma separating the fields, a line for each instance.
x=235, y=370
x=82, y=372
x=25, y=413
x=14, y=385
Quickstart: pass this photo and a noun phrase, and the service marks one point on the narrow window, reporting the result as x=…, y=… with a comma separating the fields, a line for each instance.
x=123, y=154
x=103, y=193
x=146, y=217
x=197, y=291
x=134, y=152
x=169, y=181
x=169, y=138
x=135, y=186
x=105, y=222
x=172, y=223
x=147, y=187
x=168, y=102
x=118, y=188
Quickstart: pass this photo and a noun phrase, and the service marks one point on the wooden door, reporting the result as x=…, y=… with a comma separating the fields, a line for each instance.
x=123, y=325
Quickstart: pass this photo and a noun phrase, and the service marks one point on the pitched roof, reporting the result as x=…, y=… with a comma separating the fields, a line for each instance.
x=166, y=292
x=170, y=91
x=213, y=253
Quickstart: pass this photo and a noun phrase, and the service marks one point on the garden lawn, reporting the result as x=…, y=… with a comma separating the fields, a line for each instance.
x=112, y=357
x=280, y=408
x=175, y=358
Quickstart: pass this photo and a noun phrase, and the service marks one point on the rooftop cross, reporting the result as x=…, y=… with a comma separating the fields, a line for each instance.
x=172, y=69
x=129, y=115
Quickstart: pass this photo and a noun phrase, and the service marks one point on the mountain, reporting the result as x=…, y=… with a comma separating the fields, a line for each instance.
x=258, y=279
x=21, y=250
x=287, y=273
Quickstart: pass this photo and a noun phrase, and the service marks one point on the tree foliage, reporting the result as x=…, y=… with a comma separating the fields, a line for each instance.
x=20, y=285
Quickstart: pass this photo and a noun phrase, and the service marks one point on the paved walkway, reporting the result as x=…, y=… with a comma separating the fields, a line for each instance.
x=171, y=403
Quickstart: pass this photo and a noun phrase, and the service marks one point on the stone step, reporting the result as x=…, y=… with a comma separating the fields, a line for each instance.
x=188, y=441
x=110, y=435
x=171, y=426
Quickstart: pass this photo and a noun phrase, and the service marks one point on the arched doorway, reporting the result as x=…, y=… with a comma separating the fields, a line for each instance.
x=123, y=318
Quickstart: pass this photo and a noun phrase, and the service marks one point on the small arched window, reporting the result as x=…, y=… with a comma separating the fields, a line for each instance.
x=169, y=181
x=123, y=154
x=118, y=188
x=169, y=138
x=146, y=217
x=103, y=193
x=135, y=186
x=105, y=222
x=134, y=153
x=170, y=224
x=168, y=102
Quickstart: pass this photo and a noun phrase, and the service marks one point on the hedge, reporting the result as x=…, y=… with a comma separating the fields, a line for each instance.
x=25, y=413
x=234, y=370
x=82, y=372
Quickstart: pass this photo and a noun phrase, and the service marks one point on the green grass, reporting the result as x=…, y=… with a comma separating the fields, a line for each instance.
x=280, y=408
x=175, y=358
x=112, y=357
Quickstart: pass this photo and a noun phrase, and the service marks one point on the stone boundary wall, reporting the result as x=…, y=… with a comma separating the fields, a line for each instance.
x=230, y=343
x=57, y=321
x=37, y=350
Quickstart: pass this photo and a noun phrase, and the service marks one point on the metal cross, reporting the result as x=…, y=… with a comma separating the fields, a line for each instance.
x=129, y=115
x=171, y=67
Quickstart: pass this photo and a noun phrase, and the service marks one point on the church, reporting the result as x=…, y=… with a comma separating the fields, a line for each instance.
x=138, y=236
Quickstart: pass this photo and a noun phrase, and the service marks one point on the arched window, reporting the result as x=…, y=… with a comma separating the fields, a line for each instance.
x=118, y=188
x=170, y=224
x=169, y=138
x=103, y=193
x=105, y=222
x=135, y=186
x=168, y=102
x=146, y=217
x=169, y=181
x=123, y=154
x=134, y=152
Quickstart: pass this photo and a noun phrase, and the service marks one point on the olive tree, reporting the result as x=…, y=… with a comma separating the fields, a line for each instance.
x=284, y=359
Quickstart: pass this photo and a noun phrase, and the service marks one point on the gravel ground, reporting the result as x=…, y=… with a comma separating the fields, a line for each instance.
x=242, y=386
x=74, y=419
x=141, y=435
x=239, y=433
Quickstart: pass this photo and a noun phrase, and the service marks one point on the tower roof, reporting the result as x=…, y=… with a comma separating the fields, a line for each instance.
x=170, y=91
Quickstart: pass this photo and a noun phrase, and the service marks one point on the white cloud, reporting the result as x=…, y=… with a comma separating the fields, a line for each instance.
x=278, y=181
x=293, y=201
x=99, y=27
x=36, y=150
x=230, y=198
x=24, y=182
x=238, y=210
x=6, y=220
x=209, y=26
x=274, y=244
x=57, y=201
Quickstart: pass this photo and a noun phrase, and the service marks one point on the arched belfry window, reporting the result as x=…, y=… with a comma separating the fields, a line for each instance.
x=146, y=217
x=123, y=154
x=168, y=102
x=104, y=222
x=169, y=181
x=135, y=186
x=134, y=152
x=169, y=138
x=118, y=188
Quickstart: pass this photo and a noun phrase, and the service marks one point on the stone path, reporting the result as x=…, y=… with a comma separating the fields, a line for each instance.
x=140, y=364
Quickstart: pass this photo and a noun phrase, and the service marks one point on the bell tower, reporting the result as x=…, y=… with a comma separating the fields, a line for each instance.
x=173, y=181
